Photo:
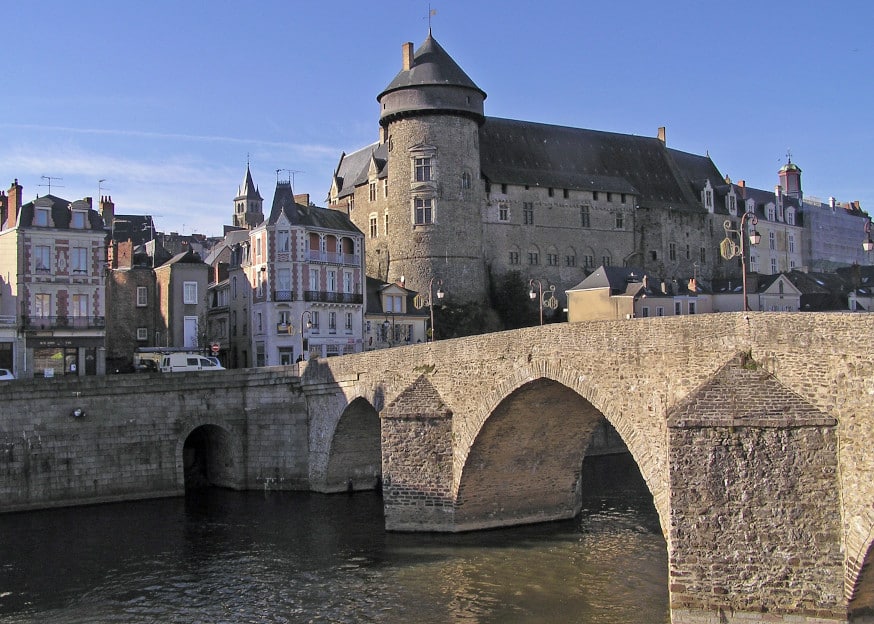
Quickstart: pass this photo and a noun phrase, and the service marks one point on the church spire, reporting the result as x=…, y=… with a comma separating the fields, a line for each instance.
x=248, y=204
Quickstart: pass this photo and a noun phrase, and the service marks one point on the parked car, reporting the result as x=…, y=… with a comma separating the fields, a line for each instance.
x=6, y=374
x=185, y=362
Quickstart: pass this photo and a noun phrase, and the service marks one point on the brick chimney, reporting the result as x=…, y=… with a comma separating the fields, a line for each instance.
x=662, y=136
x=13, y=204
x=742, y=184
x=107, y=210
x=407, y=52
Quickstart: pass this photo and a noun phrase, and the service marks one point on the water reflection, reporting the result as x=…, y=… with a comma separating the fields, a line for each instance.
x=226, y=556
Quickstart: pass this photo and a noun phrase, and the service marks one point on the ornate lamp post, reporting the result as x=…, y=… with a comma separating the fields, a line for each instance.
x=545, y=300
x=440, y=295
x=868, y=243
x=729, y=249
x=303, y=329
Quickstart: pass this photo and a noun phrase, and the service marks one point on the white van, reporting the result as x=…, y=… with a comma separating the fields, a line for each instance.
x=184, y=362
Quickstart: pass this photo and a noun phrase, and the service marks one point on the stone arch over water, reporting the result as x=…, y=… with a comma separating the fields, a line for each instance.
x=355, y=455
x=211, y=456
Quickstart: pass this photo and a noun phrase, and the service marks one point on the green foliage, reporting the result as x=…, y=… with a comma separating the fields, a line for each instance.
x=510, y=300
x=468, y=319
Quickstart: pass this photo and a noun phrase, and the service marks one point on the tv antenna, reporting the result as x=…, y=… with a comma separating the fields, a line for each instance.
x=50, y=178
x=290, y=178
x=101, y=188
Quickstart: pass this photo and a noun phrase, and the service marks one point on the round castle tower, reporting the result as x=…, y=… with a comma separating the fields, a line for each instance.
x=430, y=118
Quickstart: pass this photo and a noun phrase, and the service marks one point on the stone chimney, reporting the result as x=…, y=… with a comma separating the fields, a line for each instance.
x=107, y=210
x=13, y=204
x=302, y=198
x=407, y=52
x=661, y=135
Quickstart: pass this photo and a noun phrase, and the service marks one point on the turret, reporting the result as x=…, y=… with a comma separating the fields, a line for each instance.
x=430, y=116
x=790, y=180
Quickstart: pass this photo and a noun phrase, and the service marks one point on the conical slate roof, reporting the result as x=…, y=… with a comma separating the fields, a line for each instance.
x=431, y=65
x=247, y=189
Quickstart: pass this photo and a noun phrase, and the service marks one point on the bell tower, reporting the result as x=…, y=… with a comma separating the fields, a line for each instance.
x=430, y=116
x=790, y=179
x=248, y=204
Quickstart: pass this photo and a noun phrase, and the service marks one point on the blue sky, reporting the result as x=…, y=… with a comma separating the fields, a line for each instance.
x=165, y=101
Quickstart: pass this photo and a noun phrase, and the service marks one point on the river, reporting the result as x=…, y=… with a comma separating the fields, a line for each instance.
x=223, y=556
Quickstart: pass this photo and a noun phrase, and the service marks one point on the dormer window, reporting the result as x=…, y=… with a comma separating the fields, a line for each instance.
x=790, y=216
x=41, y=217
x=79, y=219
x=732, y=205
x=771, y=212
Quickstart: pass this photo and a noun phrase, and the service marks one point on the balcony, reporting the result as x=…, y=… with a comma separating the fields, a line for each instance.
x=333, y=257
x=63, y=322
x=283, y=295
x=332, y=297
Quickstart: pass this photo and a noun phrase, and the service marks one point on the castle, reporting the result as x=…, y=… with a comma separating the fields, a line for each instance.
x=448, y=193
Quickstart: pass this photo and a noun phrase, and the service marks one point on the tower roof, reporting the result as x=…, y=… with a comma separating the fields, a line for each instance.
x=431, y=65
x=247, y=189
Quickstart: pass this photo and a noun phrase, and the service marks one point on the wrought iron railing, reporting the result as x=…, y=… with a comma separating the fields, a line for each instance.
x=332, y=297
x=63, y=322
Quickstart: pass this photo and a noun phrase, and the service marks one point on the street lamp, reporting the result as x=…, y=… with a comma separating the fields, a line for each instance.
x=868, y=243
x=729, y=249
x=545, y=300
x=303, y=329
x=440, y=295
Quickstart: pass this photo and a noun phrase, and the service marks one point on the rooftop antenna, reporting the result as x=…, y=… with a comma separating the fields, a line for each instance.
x=50, y=178
x=292, y=172
x=100, y=188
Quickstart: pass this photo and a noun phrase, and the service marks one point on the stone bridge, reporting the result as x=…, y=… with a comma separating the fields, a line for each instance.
x=754, y=433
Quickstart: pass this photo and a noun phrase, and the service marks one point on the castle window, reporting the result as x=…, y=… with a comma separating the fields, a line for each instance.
x=622, y=198
x=571, y=261
x=708, y=199
x=772, y=241
x=584, y=217
x=465, y=180
x=503, y=213
x=565, y=193
x=595, y=195
x=790, y=217
x=533, y=258
x=672, y=251
x=514, y=257
x=732, y=205
x=551, y=192
x=703, y=256
x=791, y=243
x=589, y=261
x=605, y=260
x=423, y=169
x=771, y=212
x=385, y=223
x=373, y=231
x=504, y=189
x=552, y=259
x=773, y=266
x=528, y=212
x=688, y=252
x=385, y=187
x=372, y=189
x=424, y=211
x=620, y=221
x=609, y=197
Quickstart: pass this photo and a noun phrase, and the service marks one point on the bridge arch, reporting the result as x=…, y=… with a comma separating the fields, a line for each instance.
x=211, y=456
x=354, y=459
x=644, y=432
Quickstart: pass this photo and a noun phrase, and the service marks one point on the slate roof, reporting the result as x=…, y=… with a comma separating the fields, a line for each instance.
x=60, y=211
x=633, y=281
x=431, y=65
x=309, y=216
x=247, y=188
x=374, y=300
x=354, y=168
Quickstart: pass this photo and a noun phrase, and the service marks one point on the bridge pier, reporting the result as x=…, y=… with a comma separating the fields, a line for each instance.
x=754, y=534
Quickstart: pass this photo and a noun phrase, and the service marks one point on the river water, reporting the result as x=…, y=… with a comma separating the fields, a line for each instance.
x=223, y=556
